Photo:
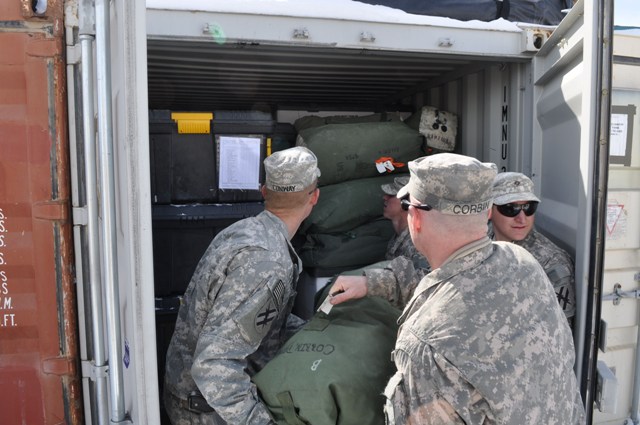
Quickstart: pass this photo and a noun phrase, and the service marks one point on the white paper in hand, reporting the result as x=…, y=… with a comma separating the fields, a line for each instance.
x=326, y=306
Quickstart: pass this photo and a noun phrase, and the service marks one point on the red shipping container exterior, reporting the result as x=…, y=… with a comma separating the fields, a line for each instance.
x=39, y=366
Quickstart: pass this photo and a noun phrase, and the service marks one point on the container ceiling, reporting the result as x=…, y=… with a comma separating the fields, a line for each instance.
x=204, y=75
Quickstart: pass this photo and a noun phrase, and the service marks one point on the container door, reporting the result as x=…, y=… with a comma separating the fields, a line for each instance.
x=39, y=380
x=134, y=262
x=571, y=77
x=620, y=303
x=117, y=85
x=133, y=209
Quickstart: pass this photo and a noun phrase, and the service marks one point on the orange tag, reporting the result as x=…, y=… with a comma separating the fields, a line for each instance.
x=386, y=164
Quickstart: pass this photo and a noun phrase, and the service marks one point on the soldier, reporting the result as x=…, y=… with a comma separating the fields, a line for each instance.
x=482, y=339
x=512, y=220
x=235, y=313
x=400, y=245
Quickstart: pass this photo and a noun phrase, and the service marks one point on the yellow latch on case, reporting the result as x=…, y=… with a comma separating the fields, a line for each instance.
x=193, y=122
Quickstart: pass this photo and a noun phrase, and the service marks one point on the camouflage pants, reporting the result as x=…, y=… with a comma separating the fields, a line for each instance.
x=179, y=415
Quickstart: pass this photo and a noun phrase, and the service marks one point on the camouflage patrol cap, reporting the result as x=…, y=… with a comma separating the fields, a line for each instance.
x=450, y=183
x=291, y=170
x=512, y=187
x=393, y=188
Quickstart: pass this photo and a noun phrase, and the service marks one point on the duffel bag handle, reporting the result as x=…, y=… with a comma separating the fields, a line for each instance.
x=289, y=409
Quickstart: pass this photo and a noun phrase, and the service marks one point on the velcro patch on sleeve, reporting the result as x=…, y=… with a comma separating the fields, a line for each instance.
x=257, y=315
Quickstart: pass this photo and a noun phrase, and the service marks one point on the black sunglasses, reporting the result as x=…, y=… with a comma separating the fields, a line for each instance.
x=405, y=204
x=512, y=210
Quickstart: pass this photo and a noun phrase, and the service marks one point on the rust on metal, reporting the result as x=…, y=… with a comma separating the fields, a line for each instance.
x=39, y=355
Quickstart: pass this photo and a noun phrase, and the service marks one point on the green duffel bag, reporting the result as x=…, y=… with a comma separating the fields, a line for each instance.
x=362, y=245
x=356, y=151
x=334, y=371
x=324, y=291
x=310, y=121
x=344, y=206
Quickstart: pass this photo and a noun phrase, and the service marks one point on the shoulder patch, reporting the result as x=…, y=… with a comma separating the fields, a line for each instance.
x=278, y=292
x=256, y=317
x=265, y=315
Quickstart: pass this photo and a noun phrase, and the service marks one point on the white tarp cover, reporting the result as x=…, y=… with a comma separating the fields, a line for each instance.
x=328, y=9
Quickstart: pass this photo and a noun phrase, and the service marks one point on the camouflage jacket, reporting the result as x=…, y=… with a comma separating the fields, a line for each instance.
x=557, y=264
x=483, y=341
x=397, y=280
x=234, y=317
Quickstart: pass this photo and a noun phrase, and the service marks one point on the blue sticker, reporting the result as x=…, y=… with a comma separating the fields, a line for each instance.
x=127, y=358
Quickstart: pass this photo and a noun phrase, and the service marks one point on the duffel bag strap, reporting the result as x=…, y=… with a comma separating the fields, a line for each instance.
x=289, y=409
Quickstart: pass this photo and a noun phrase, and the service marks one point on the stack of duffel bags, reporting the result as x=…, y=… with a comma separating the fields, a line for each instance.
x=334, y=370
x=345, y=229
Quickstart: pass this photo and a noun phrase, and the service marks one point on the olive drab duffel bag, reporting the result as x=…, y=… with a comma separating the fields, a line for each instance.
x=334, y=371
x=347, y=205
x=356, y=151
x=310, y=121
x=362, y=245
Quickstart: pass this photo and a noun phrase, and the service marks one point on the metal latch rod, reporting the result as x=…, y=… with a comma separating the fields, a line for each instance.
x=618, y=294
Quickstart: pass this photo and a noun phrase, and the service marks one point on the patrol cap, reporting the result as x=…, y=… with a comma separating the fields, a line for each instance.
x=450, y=183
x=291, y=170
x=393, y=188
x=512, y=187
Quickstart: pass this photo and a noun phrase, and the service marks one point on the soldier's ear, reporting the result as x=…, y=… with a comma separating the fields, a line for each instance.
x=315, y=196
x=415, y=220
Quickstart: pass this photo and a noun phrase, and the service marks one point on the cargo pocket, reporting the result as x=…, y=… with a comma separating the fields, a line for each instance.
x=396, y=400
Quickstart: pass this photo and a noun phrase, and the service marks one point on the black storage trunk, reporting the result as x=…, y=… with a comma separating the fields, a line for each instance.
x=242, y=122
x=165, y=325
x=183, y=166
x=182, y=233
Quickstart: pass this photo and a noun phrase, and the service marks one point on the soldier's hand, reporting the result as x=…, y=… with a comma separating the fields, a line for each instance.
x=347, y=288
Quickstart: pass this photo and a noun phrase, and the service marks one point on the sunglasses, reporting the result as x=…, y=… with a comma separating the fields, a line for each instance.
x=512, y=210
x=405, y=204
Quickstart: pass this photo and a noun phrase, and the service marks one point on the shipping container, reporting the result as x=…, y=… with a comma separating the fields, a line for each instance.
x=106, y=203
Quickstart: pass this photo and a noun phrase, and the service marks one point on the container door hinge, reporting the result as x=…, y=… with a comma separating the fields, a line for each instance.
x=61, y=366
x=602, y=341
x=93, y=372
x=606, y=389
x=51, y=210
x=73, y=54
x=80, y=216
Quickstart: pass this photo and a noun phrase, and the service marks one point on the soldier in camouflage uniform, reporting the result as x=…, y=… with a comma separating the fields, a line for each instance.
x=512, y=220
x=406, y=264
x=235, y=313
x=482, y=340
x=401, y=245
